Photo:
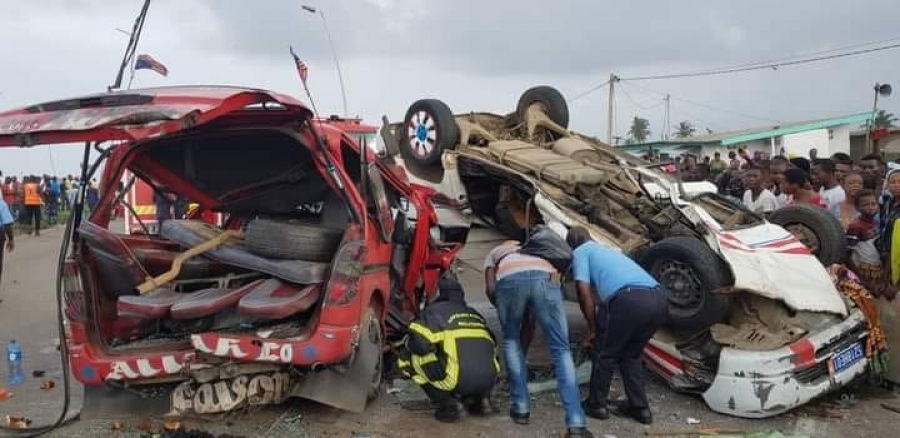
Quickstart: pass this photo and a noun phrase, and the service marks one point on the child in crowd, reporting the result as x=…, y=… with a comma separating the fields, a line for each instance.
x=865, y=260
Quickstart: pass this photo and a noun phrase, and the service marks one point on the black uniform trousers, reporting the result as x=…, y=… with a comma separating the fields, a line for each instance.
x=624, y=325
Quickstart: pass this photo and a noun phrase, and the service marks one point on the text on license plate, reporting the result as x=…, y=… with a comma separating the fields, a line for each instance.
x=847, y=357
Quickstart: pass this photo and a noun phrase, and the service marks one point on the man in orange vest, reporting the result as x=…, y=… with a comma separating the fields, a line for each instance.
x=32, y=202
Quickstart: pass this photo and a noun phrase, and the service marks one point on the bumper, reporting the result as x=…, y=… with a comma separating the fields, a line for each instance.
x=326, y=346
x=754, y=384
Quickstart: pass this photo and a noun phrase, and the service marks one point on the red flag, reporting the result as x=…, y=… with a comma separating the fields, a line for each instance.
x=302, y=69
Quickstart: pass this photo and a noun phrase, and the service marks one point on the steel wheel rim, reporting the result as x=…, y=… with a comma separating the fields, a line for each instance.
x=685, y=290
x=422, y=133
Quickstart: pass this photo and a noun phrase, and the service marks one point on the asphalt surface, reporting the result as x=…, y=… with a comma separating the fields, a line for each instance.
x=27, y=314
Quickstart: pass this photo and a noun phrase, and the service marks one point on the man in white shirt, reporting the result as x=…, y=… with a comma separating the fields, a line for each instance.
x=757, y=198
x=823, y=178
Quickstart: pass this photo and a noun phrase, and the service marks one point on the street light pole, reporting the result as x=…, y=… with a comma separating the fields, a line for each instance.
x=337, y=63
x=880, y=90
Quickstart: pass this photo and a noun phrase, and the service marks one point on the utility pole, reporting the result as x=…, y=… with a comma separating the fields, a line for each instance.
x=610, y=120
x=667, y=121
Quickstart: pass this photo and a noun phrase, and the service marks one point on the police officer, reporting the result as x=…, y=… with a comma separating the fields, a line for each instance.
x=452, y=355
x=631, y=307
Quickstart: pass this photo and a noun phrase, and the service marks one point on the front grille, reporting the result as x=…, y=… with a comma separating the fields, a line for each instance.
x=845, y=340
x=819, y=370
x=813, y=373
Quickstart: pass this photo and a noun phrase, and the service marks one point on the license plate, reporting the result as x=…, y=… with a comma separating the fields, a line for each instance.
x=847, y=357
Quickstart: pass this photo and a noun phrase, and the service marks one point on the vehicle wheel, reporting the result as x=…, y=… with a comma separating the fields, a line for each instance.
x=689, y=271
x=292, y=240
x=552, y=101
x=430, y=129
x=816, y=228
x=372, y=339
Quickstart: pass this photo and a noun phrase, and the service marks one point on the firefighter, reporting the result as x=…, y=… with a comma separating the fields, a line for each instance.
x=452, y=355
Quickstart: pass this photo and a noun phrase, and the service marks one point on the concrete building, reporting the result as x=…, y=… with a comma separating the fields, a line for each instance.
x=827, y=136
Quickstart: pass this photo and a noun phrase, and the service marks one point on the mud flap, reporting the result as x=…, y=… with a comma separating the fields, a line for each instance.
x=343, y=387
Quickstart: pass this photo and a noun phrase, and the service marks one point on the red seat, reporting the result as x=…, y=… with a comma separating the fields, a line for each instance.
x=152, y=305
x=210, y=301
x=275, y=299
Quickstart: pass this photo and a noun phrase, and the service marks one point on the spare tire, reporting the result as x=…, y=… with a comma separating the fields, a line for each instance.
x=430, y=129
x=293, y=240
x=551, y=100
x=690, y=272
x=818, y=229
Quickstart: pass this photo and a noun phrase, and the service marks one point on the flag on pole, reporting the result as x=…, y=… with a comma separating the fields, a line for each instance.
x=302, y=69
x=148, y=62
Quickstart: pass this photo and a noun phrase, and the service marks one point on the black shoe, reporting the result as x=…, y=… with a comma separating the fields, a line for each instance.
x=580, y=432
x=480, y=406
x=596, y=411
x=641, y=415
x=518, y=418
x=449, y=412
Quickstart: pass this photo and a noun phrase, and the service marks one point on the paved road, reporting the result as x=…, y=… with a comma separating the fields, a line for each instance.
x=27, y=314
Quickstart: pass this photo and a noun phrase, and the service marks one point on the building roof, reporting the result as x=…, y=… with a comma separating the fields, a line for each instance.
x=751, y=134
x=759, y=133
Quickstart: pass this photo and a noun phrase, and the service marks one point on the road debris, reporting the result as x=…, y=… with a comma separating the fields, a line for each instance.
x=145, y=426
x=48, y=384
x=5, y=394
x=890, y=407
x=115, y=426
x=15, y=422
x=694, y=431
x=37, y=374
x=692, y=421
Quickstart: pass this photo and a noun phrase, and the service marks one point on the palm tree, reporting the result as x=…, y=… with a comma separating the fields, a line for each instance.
x=684, y=129
x=884, y=119
x=639, y=131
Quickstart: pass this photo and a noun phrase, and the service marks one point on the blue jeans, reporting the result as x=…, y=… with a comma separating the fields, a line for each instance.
x=534, y=289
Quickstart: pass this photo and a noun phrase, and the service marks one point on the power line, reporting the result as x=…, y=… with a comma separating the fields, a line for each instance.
x=818, y=52
x=645, y=108
x=586, y=92
x=772, y=65
x=707, y=106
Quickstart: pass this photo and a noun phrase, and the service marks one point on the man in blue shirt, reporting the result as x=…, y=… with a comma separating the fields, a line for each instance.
x=624, y=305
x=6, y=222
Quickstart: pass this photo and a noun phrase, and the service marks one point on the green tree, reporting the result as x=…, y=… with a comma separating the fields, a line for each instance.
x=684, y=129
x=639, y=131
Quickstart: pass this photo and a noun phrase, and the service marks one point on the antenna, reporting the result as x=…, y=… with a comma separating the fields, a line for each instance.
x=131, y=48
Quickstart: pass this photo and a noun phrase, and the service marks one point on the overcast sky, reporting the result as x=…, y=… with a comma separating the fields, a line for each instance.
x=475, y=55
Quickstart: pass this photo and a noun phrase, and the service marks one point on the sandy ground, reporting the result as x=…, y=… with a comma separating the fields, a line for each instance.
x=27, y=314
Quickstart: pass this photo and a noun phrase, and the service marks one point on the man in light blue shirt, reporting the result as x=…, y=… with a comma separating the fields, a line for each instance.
x=6, y=222
x=624, y=305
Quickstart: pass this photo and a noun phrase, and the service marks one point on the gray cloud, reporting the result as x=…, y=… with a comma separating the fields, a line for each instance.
x=476, y=55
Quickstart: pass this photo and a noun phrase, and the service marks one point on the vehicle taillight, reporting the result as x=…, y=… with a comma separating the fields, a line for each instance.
x=73, y=293
x=343, y=285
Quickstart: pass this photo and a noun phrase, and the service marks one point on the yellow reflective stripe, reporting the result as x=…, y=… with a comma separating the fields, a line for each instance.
x=420, y=379
x=426, y=333
x=402, y=363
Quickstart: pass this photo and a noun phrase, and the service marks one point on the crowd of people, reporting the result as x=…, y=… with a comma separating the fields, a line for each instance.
x=863, y=195
x=33, y=198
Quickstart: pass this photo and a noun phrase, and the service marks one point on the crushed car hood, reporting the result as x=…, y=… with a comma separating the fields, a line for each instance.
x=769, y=261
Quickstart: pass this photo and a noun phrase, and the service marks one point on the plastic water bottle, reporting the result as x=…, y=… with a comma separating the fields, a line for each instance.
x=14, y=362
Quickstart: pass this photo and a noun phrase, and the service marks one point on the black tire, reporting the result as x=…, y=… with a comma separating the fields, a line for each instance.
x=428, y=130
x=292, y=240
x=689, y=271
x=552, y=100
x=374, y=336
x=820, y=231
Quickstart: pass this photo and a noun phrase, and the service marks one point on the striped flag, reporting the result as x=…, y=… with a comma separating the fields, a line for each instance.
x=302, y=69
x=147, y=62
